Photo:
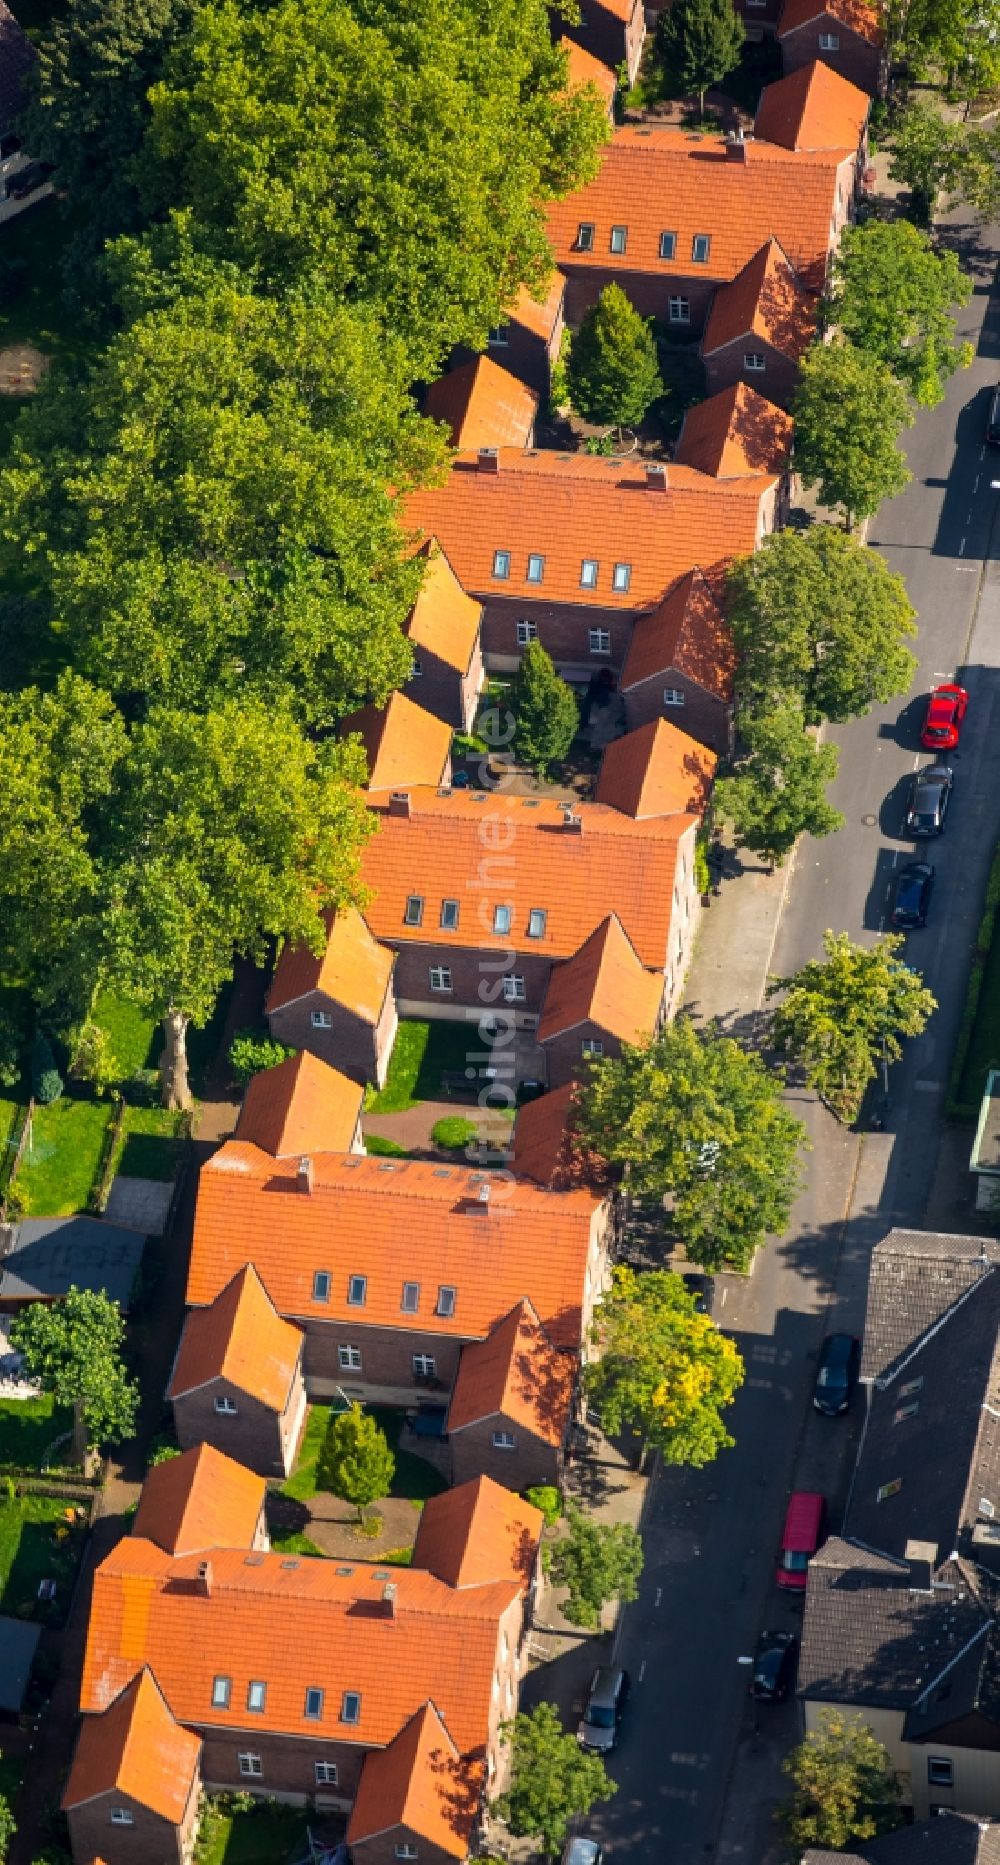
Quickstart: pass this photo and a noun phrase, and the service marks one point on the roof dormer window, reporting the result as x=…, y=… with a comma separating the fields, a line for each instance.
x=501, y=919
x=621, y=577
x=585, y=236
x=668, y=245
x=588, y=573
x=501, y=565
x=536, y=568
x=619, y=239
x=414, y=911
x=701, y=246
x=536, y=923
x=350, y=1708
x=449, y=915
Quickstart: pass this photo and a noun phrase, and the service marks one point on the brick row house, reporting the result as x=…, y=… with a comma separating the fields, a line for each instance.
x=846, y=35
x=211, y=1660
x=612, y=31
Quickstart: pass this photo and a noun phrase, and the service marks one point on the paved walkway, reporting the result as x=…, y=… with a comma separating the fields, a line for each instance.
x=412, y=1127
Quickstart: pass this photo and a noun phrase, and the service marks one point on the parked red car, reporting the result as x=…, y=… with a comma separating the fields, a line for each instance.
x=805, y=1531
x=946, y=708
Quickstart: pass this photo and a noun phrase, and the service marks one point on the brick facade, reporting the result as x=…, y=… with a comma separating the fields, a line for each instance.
x=356, y=1047
x=149, y=1840
x=386, y=1372
x=563, y=628
x=649, y=292
x=706, y=717
x=441, y=689
x=381, y=1850
x=602, y=31
x=565, y=1058
x=532, y=1460
x=255, y=1435
x=856, y=58
x=476, y=982
x=288, y=1766
x=727, y=365
x=525, y=352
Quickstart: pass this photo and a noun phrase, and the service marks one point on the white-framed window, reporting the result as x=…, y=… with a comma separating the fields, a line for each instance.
x=673, y=696
x=350, y=1708
x=321, y=1020
x=940, y=1771
x=829, y=42
x=504, y=1441
x=590, y=1046
x=619, y=239
x=256, y=1695
x=349, y=1359
x=424, y=1366
x=449, y=915
x=668, y=245
x=499, y=336
x=621, y=577
x=410, y=1303
x=440, y=977
x=513, y=988
x=251, y=1766
x=526, y=631
x=701, y=246
x=357, y=1291
x=321, y=1285
x=588, y=573
x=405, y=1851
x=446, y=1300
x=225, y=1406
x=413, y=912
x=679, y=310
x=755, y=361
x=536, y=923
x=122, y=1816
x=326, y=1773
x=313, y=1704
x=221, y=1692
x=501, y=565
x=501, y=919
x=536, y=567
x=585, y=236
x=600, y=640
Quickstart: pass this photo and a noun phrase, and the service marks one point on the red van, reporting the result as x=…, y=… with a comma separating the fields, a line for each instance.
x=805, y=1522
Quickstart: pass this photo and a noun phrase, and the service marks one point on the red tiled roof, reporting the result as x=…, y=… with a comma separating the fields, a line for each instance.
x=584, y=68
x=443, y=620
x=199, y=1500
x=239, y=1338
x=515, y=1373
x=766, y=300
x=689, y=632
x=294, y=1625
x=543, y=1149
x=422, y=1783
x=539, y=317
x=657, y=770
x=136, y=1748
x=854, y=14
x=736, y=431
x=388, y=1220
x=604, y=983
x=654, y=181
x=298, y=1106
x=478, y=1534
x=813, y=108
x=483, y=405
x=611, y=864
x=404, y=743
x=568, y=507
x=353, y=970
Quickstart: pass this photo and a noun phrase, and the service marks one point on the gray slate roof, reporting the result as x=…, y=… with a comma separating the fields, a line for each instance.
x=17, y=55
x=915, y=1277
x=49, y=1255
x=18, y=1641
x=948, y=1839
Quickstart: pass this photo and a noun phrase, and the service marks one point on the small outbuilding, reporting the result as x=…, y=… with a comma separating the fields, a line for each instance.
x=18, y=1644
x=42, y=1258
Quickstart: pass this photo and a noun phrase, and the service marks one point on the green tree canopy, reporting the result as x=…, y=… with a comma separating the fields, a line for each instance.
x=777, y=791
x=74, y=1348
x=355, y=1462
x=701, y=41
x=545, y=711
x=849, y=413
x=208, y=512
x=597, y=1561
x=930, y=153
x=844, y=1786
x=695, y=1118
x=613, y=372
x=8, y=1826
x=664, y=1369
x=404, y=154
x=892, y=294
x=228, y=828
x=820, y=622
x=552, y=1779
x=839, y=1014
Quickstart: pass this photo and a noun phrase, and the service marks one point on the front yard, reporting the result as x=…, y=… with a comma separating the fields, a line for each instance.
x=28, y=1428
x=421, y=1054
x=304, y=1519
x=264, y=1835
x=40, y=1539
x=414, y=1481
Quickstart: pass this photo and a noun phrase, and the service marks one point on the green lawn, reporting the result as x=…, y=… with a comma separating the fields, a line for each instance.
x=266, y=1836
x=153, y=1143
x=37, y=1543
x=8, y=1120
x=59, y=1169
x=28, y=1427
x=133, y=1034
x=295, y=1544
x=420, y=1055
x=414, y=1479
x=387, y=1149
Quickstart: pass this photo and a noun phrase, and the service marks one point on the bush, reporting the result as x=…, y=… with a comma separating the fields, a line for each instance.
x=93, y=1060
x=454, y=1132
x=546, y=1497
x=162, y=1449
x=46, y=1081
x=10, y=1051
x=250, y=1052
x=702, y=871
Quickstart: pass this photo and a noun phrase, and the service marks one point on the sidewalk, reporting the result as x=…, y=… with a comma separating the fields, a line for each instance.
x=732, y=957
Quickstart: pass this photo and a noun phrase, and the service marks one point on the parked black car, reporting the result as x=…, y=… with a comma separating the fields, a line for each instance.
x=912, y=894
x=993, y=419
x=927, y=803
x=774, y=1667
x=837, y=1374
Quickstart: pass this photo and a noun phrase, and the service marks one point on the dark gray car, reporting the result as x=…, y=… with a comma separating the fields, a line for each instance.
x=605, y=1703
x=927, y=803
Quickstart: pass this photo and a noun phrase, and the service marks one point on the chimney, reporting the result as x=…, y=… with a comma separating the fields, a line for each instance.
x=205, y=1578
x=736, y=146
x=921, y=1557
x=571, y=820
x=489, y=460
x=399, y=803
x=484, y=1192
x=656, y=478
x=304, y=1175
x=389, y=1592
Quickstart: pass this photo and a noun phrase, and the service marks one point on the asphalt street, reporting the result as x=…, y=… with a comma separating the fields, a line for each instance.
x=697, y=1771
